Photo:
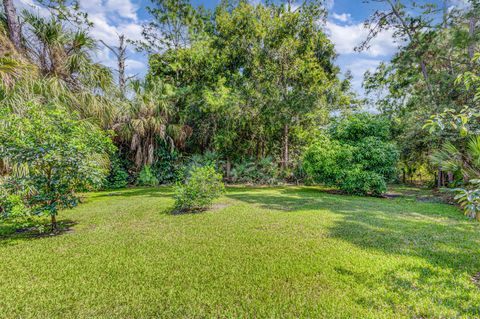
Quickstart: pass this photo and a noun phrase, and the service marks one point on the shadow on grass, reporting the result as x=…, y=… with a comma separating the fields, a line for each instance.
x=9, y=233
x=434, y=232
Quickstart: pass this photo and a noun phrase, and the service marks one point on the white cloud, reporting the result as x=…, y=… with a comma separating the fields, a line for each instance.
x=124, y=8
x=110, y=19
x=344, y=17
x=347, y=37
x=358, y=68
x=132, y=31
x=134, y=65
x=31, y=6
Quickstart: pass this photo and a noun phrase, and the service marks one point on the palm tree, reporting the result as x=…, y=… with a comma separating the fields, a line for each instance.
x=147, y=120
x=452, y=159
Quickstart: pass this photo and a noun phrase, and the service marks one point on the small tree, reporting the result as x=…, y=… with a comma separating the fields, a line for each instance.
x=199, y=190
x=57, y=156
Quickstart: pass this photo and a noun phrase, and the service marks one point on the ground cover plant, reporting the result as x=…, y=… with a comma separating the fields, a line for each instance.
x=270, y=252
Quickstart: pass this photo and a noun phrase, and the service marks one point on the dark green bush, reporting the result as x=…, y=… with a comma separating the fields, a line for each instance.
x=377, y=156
x=357, y=158
x=361, y=182
x=355, y=127
x=168, y=165
x=118, y=177
x=198, y=191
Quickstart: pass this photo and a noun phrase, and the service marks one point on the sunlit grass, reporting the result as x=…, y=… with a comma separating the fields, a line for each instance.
x=266, y=252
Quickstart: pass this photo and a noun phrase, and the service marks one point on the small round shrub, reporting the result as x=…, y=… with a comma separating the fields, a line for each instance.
x=360, y=182
x=16, y=214
x=197, y=193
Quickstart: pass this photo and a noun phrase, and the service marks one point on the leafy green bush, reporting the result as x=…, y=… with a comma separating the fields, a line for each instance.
x=14, y=211
x=355, y=127
x=327, y=161
x=377, y=156
x=167, y=166
x=360, y=182
x=118, y=177
x=147, y=177
x=357, y=158
x=199, y=190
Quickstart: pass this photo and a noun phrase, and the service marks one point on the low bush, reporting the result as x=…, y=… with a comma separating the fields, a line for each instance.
x=469, y=198
x=147, y=177
x=13, y=211
x=360, y=182
x=199, y=189
x=263, y=171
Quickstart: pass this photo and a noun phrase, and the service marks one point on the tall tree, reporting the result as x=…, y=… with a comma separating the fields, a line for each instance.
x=256, y=77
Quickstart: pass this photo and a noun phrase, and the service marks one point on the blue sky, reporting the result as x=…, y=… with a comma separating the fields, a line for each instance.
x=344, y=26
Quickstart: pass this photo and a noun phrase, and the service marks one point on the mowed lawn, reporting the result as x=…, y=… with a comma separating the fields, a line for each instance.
x=260, y=253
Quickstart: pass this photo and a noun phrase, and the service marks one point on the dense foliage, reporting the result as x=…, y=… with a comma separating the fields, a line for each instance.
x=199, y=189
x=249, y=79
x=437, y=43
x=357, y=156
x=52, y=158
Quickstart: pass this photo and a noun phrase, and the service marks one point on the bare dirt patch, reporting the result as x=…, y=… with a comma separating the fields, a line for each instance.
x=476, y=279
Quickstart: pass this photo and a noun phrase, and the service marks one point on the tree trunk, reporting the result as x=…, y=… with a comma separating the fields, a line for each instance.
x=14, y=29
x=54, y=223
x=120, y=54
x=450, y=177
x=228, y=169
x=285, y=146
x=440, y=178
x=122, y=82
x=471, y=47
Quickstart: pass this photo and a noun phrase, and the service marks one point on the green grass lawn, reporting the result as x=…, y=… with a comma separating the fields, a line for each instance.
x=263, y=252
